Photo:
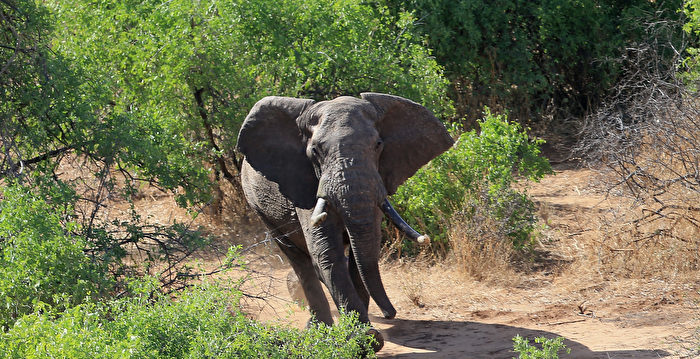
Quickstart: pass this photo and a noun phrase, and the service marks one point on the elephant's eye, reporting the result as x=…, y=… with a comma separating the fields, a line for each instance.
x=314, y=151
x=379, y=144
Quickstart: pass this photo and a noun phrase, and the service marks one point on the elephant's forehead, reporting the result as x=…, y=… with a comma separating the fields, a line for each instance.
x=346, y=116
x=345, y=131
x=346, y=107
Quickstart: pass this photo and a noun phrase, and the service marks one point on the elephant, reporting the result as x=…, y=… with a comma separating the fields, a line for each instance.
x=318, y=174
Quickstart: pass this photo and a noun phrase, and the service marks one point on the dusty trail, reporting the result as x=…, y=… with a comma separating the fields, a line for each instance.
x=458, y=317
x=462, y=318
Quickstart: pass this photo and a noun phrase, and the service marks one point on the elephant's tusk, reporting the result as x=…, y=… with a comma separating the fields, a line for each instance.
x=390, y=212
x=319, y=214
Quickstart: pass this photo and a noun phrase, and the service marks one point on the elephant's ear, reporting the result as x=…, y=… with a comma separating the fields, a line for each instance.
x=412, y=137
x=272, y=144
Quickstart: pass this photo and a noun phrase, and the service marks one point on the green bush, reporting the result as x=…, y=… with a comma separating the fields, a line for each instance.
x=549, y=348
x=535, y=57
x=199, y=67
x=106, y=97
x=65, y=140
x=690, y=71
x=478, y=171
x=42, y=264
x=204, y=322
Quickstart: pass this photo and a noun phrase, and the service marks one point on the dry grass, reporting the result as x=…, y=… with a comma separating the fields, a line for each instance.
x=647, y=137
x=592, y=234
x=655, y=231
x=412, y=283
x=631, y=244
x=479, y=249
x=414, y=270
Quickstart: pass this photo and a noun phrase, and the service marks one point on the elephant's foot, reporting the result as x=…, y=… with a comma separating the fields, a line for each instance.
x=389, y=313
x=379, y=343
x=295, y=289
x=311, y=323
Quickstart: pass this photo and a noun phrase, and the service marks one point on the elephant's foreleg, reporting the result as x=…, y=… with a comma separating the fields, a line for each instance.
x=304, y=269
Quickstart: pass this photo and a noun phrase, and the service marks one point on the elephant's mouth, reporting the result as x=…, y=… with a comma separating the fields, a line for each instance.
x=319, y=215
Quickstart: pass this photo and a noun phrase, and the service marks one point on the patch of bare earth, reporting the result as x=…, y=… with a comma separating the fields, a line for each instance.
x=443, y=313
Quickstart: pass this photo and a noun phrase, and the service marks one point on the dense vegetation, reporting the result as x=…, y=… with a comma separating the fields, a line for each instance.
x=100, y=100
x=199, y=324
x=547, y=61
x=477, y=174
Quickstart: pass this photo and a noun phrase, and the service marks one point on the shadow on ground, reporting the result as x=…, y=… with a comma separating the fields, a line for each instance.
x=423, y=339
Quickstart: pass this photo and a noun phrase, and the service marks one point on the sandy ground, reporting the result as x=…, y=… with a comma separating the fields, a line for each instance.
x=459, y=318
x=443, y=313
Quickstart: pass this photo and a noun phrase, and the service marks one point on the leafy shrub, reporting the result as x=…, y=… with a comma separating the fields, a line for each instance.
x=64, y=138
x=535, y=57
x=204, y=322
x=478, y=171
x=42, y=265
x=199, y=67
x=549, y=348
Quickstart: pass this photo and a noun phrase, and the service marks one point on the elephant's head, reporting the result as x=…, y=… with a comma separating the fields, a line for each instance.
x=351, y=152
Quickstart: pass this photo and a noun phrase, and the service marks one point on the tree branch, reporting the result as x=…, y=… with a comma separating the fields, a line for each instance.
x=37, y=159
x=210, y=136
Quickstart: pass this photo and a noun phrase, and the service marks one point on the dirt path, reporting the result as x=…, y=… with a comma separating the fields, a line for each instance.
x=471, y=320
x=459, y=318
x=444, y=314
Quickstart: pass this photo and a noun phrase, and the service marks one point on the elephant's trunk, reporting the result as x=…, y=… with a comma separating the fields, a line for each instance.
x=357, y=203
x=365, y=241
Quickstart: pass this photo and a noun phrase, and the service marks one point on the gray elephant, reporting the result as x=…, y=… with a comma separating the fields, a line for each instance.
x=319, y=173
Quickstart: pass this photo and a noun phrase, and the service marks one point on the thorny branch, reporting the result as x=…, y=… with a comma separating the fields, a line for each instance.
x=647, y=135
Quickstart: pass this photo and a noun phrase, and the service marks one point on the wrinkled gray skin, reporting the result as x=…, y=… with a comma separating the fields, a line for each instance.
x=351, y=152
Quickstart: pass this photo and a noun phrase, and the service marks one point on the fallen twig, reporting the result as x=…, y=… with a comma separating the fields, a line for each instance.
x=567, y=321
